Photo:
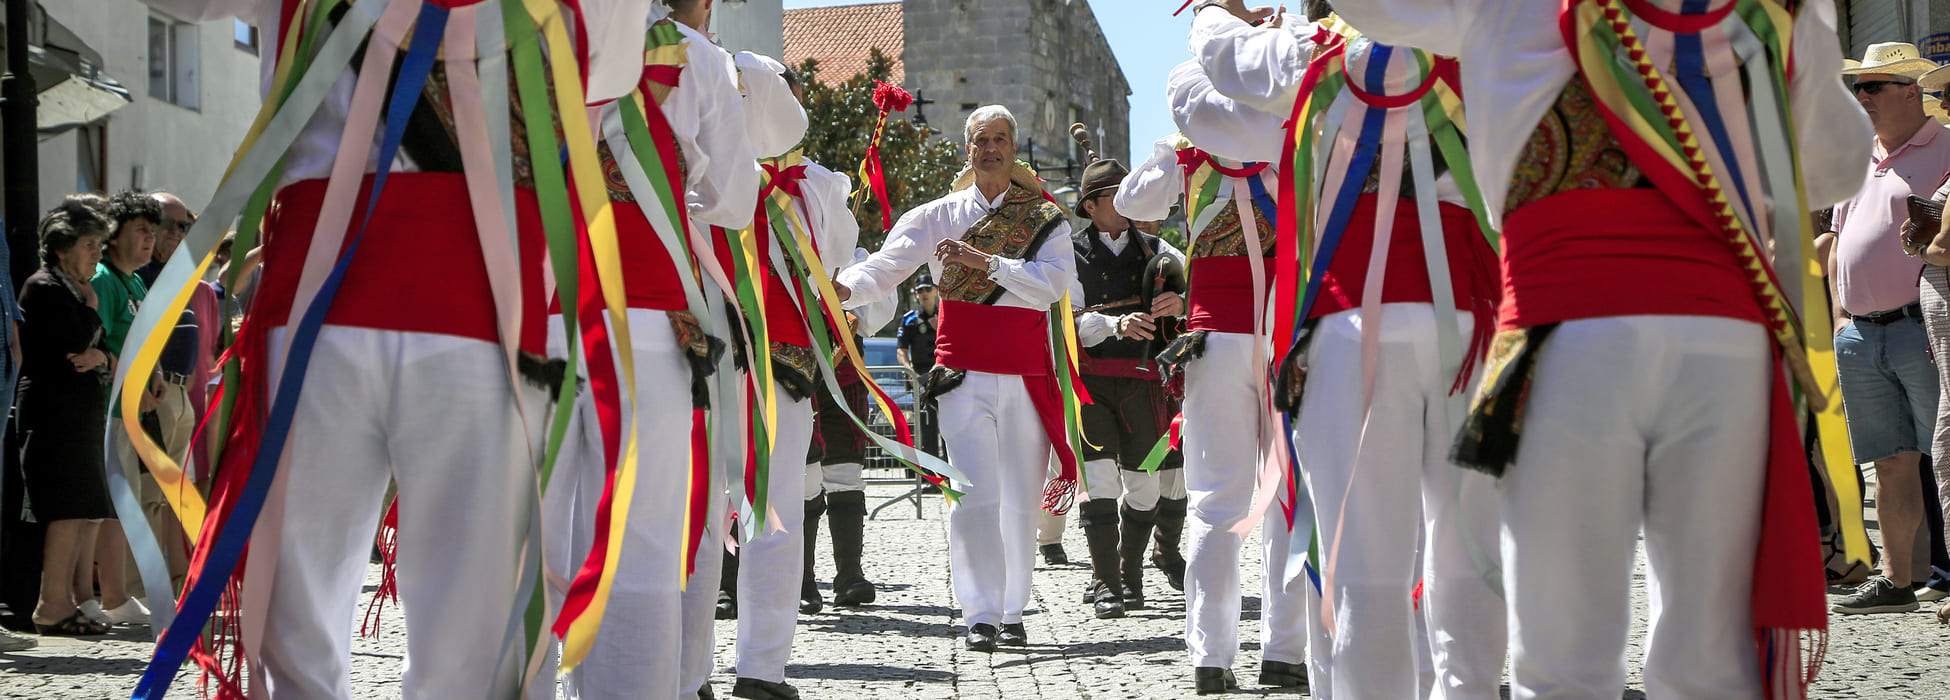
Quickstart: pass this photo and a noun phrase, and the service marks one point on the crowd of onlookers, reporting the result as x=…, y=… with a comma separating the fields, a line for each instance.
x=65, y=332
x=1889, y=290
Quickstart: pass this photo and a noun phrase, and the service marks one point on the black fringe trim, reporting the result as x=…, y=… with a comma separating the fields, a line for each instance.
x=1488, y=440
x=1171, y=362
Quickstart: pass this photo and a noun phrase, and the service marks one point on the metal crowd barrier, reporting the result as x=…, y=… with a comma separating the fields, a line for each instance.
x=881, y=467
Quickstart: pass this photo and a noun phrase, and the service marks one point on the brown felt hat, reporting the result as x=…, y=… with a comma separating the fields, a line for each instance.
x=1102, y=175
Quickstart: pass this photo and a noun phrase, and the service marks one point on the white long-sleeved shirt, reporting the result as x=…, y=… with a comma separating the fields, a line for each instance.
x=1515, y=64
x=707, y=114
x=1096, y=327
x=615, y=57
x=1217, y=124
x=775, y=121
x=1035, y=282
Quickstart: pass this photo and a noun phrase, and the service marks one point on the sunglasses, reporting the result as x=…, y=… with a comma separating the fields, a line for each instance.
x=1875, y=86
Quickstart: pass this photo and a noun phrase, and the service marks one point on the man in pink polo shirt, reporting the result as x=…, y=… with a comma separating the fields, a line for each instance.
x=1889, y=383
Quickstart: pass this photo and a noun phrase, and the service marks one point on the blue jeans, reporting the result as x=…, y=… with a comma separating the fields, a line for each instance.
x=1889, y=388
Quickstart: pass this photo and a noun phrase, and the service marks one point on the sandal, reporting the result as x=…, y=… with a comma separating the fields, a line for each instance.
x=75, y=625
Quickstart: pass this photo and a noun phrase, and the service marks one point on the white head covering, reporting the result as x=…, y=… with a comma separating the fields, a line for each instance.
x=1218, y=124
x=775, y=121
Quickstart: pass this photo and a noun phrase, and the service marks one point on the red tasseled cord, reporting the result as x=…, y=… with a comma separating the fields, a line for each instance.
x=220, y=652
x=389, y=573
x=891, y=98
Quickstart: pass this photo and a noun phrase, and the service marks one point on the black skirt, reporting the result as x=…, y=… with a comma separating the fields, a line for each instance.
x=61, y=431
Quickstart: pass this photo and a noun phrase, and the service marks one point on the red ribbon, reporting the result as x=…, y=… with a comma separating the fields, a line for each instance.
x=1194, y=158
x=1444, y=70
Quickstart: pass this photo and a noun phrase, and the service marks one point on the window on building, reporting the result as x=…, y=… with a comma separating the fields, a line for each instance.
x=91, y=158
x=172, y=61
x=245, y=34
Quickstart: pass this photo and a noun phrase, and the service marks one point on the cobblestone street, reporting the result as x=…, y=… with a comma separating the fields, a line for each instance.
x=907, y=644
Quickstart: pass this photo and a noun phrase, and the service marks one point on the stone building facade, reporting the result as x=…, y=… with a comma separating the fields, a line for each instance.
x=1046, y=60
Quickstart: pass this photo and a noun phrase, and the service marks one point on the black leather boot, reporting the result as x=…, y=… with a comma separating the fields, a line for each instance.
x=1280, y=674
x=847, y=516
x=1136, y=533
x=1171, y=526
x=1099, y=519
x=809, y=601
x=728, y=589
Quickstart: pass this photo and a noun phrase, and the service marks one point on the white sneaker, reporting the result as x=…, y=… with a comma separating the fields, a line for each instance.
x=1927, y=594
x=92, y=609
x=16, y=642
x=130, y=613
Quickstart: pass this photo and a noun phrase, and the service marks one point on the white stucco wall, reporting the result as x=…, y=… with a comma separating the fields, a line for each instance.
x=753, y=25
x=179, y=150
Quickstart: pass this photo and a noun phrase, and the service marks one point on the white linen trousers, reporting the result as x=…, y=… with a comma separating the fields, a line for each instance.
x=1221, y=441
x=999, y=444
x=637, y=651
x=1406, y=516
x=434, y=413
x=1652, y=422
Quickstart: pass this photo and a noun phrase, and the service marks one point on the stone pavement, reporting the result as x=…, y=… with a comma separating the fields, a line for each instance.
x=907, y=644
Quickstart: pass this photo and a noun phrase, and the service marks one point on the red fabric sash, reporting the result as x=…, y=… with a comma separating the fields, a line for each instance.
x=419, y=268
x=1596, y=253
x=1007, y=340
x=1133, y=367
x=783, y=321
x=1472, y=263
x=1221, y=294
x=1616, y=252
x=650, y=279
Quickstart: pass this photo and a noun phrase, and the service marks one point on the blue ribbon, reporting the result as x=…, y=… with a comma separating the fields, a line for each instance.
x=1366, y=146
x=221, y=562
x=1689, y=65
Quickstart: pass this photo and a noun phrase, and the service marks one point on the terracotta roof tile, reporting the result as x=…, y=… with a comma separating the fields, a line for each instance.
x=841, y=36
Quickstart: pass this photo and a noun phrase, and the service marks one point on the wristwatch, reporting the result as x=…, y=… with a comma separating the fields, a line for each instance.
x=995, y=265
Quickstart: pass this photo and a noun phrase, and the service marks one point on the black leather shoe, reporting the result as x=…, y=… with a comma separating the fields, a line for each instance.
x=756, y=689
x=727, y=606
x=981, y=637
x=1280, y=674
x=1105, y=603
x=1054, y=555
x=855, y=593
x=704, y=693
x=1212, y=680
x=1134, y=597
x=1013, y=635
x=809, y=601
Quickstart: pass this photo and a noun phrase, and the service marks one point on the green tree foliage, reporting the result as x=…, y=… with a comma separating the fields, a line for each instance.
x=919, y=166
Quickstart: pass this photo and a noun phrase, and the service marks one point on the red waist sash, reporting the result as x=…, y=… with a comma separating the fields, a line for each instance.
x=1132, y=367
x=1012, y=340
x=1472, y=263
x=783, y=321
x=993, y=339
x=1616, y=252
x=650, y=279
x=419, y=267
x=1221, y=296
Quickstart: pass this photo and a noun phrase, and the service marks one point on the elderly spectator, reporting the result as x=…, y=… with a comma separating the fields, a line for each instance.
x=133, y=217
x=64, y=372
x=1889, y=383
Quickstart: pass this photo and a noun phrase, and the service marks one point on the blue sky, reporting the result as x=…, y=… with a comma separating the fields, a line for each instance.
x=1147, y=40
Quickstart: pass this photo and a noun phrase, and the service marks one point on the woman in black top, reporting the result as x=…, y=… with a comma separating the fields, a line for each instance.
x=63, y=411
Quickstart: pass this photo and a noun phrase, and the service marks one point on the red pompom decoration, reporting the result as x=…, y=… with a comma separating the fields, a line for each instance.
x=891, y=98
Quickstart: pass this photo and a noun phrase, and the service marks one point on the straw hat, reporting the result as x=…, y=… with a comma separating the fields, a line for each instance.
x=1935, y=108
x=1894, y=58
x=1936, y=79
